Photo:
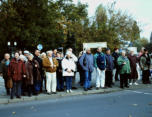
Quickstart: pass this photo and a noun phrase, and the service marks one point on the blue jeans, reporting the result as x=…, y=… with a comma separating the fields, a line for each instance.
x=68, y=82
x=60, y=83
x=87, y=80
x=37, y=86
x=16, y=90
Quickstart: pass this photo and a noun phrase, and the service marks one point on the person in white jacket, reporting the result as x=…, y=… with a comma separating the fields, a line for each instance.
x=68, y=68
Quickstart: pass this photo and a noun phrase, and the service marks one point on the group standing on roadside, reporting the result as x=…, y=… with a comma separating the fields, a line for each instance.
x=52, y=72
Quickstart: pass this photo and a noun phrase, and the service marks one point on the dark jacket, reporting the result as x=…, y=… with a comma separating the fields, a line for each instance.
x=59, y=68
x=39, y=60
x=87, y=62
x=115, y=57
x=145, y=62
x=16, y=70
x=133, y=60
x=109, y=63
x=31, y=72
x=4, y=68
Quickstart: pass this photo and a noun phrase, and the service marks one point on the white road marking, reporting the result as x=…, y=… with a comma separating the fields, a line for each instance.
x=139, y=92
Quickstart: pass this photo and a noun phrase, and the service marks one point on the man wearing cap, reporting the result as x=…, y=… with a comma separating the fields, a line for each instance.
x=145, y=67
x=109, y=68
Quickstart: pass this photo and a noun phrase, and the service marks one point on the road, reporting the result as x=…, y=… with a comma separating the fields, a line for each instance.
x=119, y=104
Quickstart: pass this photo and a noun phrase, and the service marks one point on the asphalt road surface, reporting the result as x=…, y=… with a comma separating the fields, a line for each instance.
x=119, y=104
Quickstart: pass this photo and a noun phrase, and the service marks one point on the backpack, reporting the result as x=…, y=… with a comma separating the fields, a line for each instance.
x=101, y=62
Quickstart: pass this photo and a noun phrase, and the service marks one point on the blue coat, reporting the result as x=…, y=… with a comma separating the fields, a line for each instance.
x=109, y=62
x=88, y=59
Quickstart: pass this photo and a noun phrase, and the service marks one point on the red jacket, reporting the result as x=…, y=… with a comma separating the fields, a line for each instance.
x=16, y=70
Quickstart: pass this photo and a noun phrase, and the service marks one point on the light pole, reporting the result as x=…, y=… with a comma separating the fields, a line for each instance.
x=12, y=48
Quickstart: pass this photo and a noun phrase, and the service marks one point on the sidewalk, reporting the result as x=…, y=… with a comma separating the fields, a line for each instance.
x=6, y=99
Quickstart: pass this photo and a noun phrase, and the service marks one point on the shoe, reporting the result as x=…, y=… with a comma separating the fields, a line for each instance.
x=130, y=84
x=103, y=87
x=85, y=89
x=89, y=88
x=68, y=91
x=49, y=93
x=54, y=93
x=127, y=86
x=97, y=88
x=12, y=97
x=122, y=87
x=74, y=88
x=136, y=83
x=18, y=97
x=62, y=90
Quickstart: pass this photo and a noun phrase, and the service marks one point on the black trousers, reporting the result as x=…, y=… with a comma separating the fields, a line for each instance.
x=82, y=77
x=124, y=80
x=30, y=90
x=108, y=78
x=146, y=74
x=16, y=90
x=6, y=87
x=116, y=75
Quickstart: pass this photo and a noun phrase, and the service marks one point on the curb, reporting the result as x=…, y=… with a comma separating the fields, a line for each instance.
x=60, y=95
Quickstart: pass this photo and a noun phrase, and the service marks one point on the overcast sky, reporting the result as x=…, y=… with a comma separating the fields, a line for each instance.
x=139, y=9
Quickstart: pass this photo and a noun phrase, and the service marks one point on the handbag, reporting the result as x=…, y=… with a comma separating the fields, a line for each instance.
x=10, y=83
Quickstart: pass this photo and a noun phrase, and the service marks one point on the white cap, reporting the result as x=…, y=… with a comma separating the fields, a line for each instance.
x=26, y=52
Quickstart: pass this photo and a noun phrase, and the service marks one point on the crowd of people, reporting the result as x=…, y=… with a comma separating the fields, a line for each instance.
x=52, y=72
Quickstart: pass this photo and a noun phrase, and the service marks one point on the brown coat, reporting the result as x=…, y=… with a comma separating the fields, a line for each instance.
x=133, y=60
x=30, y=66
x=47, y=65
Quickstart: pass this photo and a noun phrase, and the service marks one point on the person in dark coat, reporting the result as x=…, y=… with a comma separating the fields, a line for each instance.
x=31, y=65
x=134, y=75
x=4, y=71
x=60, y=79
x=109, y=69
x=38, y=83
x=16, y=71
x=80, y=69
x=145, y=67
x=115, y=56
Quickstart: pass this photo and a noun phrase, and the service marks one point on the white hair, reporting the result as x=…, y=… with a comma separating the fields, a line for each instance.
x=123, y=51
x=50, y=51
x=43, y=54
x=22, y=57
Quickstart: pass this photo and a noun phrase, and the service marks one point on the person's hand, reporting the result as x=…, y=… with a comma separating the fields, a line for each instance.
x=24, y=76
x=36, y=66
x=124, y=63
x=69, y=71
x=51, y=66
x=54, y=65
